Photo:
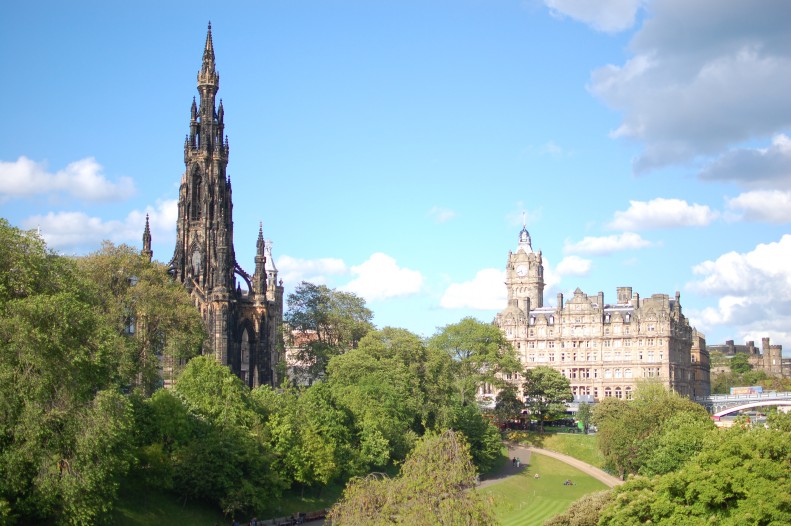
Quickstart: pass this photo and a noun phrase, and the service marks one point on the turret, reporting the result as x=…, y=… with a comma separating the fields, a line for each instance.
x=147, y=252
x=259, y=277
x=272, y=290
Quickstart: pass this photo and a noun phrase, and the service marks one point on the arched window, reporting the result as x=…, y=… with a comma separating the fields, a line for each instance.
x=607, y=392
x=628, y=393
x=618, y=393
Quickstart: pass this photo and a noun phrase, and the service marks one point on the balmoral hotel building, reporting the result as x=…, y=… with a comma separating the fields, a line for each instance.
x=604, y=349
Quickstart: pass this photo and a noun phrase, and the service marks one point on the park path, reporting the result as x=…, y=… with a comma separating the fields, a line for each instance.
x=523, y=454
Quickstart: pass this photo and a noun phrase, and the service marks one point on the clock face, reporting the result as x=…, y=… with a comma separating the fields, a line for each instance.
x=521, y=270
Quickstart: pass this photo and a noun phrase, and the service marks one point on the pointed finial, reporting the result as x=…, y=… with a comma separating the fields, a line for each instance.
x=259, y=245
x=147, y=252
x=524, y=221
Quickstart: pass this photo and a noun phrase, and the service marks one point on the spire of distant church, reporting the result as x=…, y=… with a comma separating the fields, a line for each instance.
x=147, y=252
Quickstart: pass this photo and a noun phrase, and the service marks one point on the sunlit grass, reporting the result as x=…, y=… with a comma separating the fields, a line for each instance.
x=525, y=500
x=579, y=446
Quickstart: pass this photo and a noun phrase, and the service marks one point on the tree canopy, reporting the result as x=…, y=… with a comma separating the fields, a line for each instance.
x=323, y=323
x=480, y=354
x=64, y=427
x=546, y=393
x=741, y=476
x=435, y=486
x=625, y=426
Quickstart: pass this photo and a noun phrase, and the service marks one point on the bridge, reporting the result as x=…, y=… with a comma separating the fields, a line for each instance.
x=721, y=405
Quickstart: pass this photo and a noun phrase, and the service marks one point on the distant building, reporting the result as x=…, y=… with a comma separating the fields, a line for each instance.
x=604, y=349
x=769, y=358
x=243, y=324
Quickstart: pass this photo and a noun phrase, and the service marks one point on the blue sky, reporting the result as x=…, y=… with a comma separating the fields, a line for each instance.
x=390, y=148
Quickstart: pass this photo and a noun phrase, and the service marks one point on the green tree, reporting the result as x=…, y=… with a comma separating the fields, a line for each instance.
x=381, y=386
x=226, y=458
x=63, y=444
x=508, y=406
x=435, y=487
x=480, y=354
x=740, y=363
x=624, y=425
x=584, y=415
x=323, y=323
x=741, y=476
x=546, y=393
x=310, y=436
x=484, y=439
x=144, y=303
x=679, y=438
x=584, y=511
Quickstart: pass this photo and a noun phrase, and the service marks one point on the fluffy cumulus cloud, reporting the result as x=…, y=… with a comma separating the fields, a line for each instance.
x=753, y=289
x=486, y=291
x=295, y=270
x=704, y=77
x=81, y=179
x=765, y=206
x=767, y=167
x=573, y=266
x=606, y=244
x=603, y=15
x=662, y=213
x=77, y=232
x=441, y=215
x=380, y=278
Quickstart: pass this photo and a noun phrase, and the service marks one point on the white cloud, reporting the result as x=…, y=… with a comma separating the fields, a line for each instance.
x=380, y=277
x=573, y=266
x=755, y=166
x=704, y=76
x=754, y=290
x=485, y=292
x=662, y=213
x=607, y=244
x=441, y=215
x=603, y=15
x=78, y=232
x=295, y=270
x=764, y=270
x=82, y=179
x=770, y=206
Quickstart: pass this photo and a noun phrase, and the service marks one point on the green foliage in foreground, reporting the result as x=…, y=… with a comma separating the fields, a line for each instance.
x=625, y=427
x=435, y=486
x=741, y=477
x=523, y=500
x=579, y=446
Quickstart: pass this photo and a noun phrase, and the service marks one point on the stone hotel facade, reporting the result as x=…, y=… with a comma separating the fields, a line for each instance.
x=604, y=349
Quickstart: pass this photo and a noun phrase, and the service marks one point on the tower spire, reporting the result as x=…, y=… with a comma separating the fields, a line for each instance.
x=147, y=252
x=208, y=79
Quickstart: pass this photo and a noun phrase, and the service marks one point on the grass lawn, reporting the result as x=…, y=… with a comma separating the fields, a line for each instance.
x=525, y=500
x=142, y=507
x=579, y=446
x=139, y=507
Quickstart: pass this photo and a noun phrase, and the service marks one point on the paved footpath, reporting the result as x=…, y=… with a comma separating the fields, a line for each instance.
x=523, y=454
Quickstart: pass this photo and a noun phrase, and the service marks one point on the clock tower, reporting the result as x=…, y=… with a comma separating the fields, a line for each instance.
x=524, y=275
